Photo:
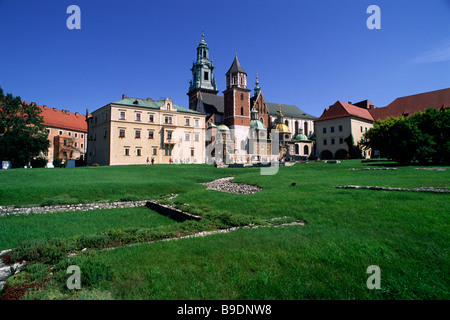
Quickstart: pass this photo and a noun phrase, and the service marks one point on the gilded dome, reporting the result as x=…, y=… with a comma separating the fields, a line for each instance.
x=281, y=127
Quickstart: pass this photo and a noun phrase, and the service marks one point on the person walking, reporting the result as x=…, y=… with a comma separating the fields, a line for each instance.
x=153, y=160
x=148, y=161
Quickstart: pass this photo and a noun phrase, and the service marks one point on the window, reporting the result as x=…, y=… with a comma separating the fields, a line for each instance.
x=82, y=136
x=155, y=151
x=332, y=141
x=242, y=96
x=76, y=145
x=65, y=142
x=196, y=122
x=242, y=111
x=306, y=150
x=332, y=129
x=122, y=133
x=69, y=133
x=127, y=151
x=150, y=118
x=206, y=76
x=48, y=130
x=137, y=134
x=192, y=152
x=138, y=117
x=196, y=137
x=187, y=121
x=167, y=120
x=122, y=115
x=324, y=142
x=361, y=129
x=187, y=136
x=150, y=134
x=81, y=146
x=138, y=152
x=169, y=135
x=60, y=133
x=76, y=135
x=340, y=128
x=324, y=130
x=341, y=140
x=167, y=152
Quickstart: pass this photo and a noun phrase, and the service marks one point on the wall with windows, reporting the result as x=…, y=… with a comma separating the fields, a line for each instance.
x=130, y=135
x=331, y=135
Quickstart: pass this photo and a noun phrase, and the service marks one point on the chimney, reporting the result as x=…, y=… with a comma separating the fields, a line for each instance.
x=349, y=102
x=76, y=114
x=123, y=96
x=149, y=99
x=54, y=109
x=45, y=107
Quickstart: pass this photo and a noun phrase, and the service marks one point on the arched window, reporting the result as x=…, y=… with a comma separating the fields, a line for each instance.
x=306, y=128
x=296, y=129
x=306, y=150
x=242, y=96
x=297, y=149
x=242, y=111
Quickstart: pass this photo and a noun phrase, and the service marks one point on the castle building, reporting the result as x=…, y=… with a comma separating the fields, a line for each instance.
x=66, y=134
x=343, y=120
x=240, y=111
x=132, y=130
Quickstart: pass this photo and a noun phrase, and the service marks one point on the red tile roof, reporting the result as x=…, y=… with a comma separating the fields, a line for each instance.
x=63, y=119
x=341, y=109
x=412, y=104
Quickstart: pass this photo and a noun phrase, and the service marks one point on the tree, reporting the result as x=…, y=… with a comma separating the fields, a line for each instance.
x=354, y=151
x=423, y=137
x=22, y=133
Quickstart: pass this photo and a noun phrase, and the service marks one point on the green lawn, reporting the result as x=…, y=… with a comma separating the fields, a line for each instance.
x=405, y=233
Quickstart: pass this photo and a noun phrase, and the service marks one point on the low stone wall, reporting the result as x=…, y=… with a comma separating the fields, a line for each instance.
x=420, y=189
x=13, y=210
x=359, y=169
x=171, y=212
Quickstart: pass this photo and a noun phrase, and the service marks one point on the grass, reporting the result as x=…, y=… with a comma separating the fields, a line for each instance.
x=405, y=233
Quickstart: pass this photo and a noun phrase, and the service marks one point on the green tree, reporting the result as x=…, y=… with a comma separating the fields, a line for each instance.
x=354, y=151
x=424, y=136
x=22, y=133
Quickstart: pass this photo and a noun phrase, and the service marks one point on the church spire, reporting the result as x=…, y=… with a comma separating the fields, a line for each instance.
x=257, y=87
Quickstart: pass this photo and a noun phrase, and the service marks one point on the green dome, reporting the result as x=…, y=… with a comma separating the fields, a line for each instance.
x=223, y=127
x=257, y=124
x=301, y=136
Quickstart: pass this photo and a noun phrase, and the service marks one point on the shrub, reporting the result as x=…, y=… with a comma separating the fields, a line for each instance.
x=39, y=162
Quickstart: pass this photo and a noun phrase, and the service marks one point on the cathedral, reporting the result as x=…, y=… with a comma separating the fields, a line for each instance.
x=242, y=127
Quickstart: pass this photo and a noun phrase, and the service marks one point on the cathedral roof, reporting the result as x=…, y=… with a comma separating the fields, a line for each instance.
x=288, y=111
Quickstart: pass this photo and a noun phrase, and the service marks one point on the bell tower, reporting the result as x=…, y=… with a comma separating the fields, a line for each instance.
x=203, y=80
x=236, y=96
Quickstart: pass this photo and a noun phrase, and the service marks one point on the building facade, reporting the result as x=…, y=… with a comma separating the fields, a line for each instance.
x=132, y=130
x=67, y=133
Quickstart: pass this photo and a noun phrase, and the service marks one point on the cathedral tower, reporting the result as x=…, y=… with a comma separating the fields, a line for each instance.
x=203, y=80
x=236, y=96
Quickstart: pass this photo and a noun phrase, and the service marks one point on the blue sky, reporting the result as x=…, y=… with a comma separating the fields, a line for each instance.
x=307, y=53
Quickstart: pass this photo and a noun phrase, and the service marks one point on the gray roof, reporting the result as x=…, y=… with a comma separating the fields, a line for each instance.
x=236, y=66
x=212, y=103
x=288, y=111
